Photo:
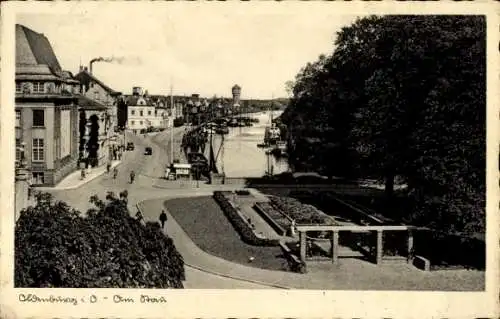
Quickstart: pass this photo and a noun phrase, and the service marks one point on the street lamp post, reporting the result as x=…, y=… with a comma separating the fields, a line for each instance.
x=22, y=184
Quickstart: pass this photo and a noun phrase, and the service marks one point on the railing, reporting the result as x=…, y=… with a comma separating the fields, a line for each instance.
x=355, y=228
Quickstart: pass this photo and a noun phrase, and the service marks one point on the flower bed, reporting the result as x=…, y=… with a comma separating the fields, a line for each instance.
x=274, y=218
x=246, y=232
x=301, y=213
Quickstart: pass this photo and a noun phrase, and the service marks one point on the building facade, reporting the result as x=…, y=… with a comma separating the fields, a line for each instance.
x=46, y=110
x=141, y=112
x=148, y=112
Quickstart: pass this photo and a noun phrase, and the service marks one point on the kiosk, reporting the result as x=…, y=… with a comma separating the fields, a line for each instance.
x=182, y=170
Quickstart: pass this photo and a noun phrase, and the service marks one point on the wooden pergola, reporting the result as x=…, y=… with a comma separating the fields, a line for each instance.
x=302, y=229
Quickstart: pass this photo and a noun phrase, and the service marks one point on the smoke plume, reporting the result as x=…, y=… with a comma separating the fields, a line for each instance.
x=119, y=60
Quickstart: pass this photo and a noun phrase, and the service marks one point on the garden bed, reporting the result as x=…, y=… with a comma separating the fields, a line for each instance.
x=279, y=222
x=301, y=213
x=206, y=224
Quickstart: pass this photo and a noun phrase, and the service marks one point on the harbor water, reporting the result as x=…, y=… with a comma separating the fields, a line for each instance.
x=240, y=156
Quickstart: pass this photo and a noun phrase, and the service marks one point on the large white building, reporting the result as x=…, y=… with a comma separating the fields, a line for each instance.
x=146, y=111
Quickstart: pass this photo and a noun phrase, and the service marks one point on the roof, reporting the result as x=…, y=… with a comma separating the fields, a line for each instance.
x=89, y=104
x=34, y=48
x=131, y=100
x=84, y=77
x=35, y=58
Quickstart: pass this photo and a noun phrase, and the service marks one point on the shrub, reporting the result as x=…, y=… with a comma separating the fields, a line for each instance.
x=246, y=233
x=56, y=247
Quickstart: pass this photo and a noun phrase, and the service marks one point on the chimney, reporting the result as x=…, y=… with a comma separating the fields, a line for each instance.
x=81, y=68
x=90, y=67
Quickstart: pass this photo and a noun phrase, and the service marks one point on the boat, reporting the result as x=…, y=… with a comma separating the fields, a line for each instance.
x=272, y=133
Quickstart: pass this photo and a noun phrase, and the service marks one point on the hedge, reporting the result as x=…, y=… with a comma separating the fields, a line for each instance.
x=246, y=233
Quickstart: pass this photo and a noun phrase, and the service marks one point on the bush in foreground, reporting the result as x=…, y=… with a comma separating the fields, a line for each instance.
x=56, y=247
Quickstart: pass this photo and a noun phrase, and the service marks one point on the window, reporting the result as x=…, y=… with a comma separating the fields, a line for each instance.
x=39, y=118
x=38, y=150
x=156, y=113
x=132, y=122
x=18, y=118
x=132, y=112
x=37, y=178
x=149, y=112
x=140, y=122
x=96, y=95
x=141, y=113
x=18, y=149
x=19, y=88
x=38, y=87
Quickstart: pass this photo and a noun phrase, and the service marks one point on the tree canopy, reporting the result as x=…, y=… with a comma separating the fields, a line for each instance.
x=56, y=247
x=401, y=96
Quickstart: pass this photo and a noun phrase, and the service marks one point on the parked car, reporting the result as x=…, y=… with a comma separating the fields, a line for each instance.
x=148, y=151
x=130, y=146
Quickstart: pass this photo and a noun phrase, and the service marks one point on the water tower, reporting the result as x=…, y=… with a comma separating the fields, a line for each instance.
x=236, y=90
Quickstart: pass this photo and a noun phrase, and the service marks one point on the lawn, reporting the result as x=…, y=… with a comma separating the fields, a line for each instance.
x=205, y=223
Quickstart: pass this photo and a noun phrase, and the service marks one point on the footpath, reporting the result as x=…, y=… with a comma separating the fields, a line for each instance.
x=74, y=180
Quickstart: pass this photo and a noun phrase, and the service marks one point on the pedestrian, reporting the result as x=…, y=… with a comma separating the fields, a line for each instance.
x=132, y=177
x=82, y=173
x=163, y=218
x=108, y=167
x=115, y=173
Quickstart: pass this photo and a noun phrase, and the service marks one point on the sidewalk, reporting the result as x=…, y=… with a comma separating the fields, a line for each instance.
x=74, y=180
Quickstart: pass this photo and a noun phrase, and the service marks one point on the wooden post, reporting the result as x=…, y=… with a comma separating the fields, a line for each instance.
x=302, y=236
x=380, y=247
x=410, y=245
x=335, y=247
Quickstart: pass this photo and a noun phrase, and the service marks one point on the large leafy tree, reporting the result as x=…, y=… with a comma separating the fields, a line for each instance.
x=121, y=112
x=402, y=95
x=82, y=126
x=93, y=142
x=56, y=247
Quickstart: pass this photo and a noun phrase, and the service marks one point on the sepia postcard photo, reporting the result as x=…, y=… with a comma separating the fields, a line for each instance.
x=249, y=159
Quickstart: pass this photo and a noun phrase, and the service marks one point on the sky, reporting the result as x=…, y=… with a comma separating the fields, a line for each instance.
x=190, y=48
